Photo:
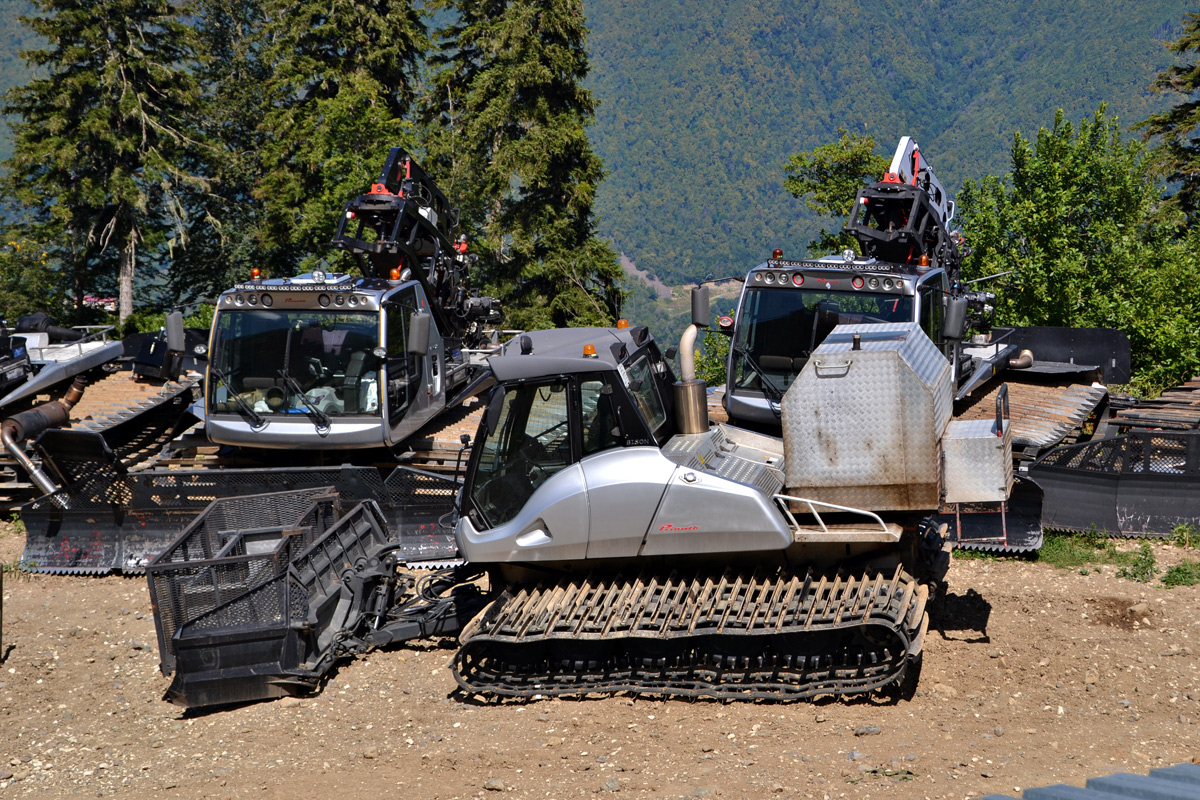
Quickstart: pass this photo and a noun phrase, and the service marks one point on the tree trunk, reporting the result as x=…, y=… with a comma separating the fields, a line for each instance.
x=126, y=262
x=80, y=287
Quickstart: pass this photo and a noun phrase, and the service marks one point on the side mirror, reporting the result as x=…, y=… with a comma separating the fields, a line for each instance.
x=954, y=326
x=418, y=333
x=175, y=338
x=700, y=306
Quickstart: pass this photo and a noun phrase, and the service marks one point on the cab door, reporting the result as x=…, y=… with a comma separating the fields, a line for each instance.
x=931, y=302
x=414, y=390
x=404, y=370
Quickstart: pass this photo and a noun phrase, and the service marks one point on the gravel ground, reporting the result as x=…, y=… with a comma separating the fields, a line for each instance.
x=1032, y=676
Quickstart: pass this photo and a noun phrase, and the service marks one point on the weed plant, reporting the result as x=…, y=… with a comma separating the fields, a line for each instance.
x=1185, y=573
x=1142, y=567
x=1185, y=535
x=17, y=569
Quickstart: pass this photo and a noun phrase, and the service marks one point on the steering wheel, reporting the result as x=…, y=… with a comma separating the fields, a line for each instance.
x=531, y=452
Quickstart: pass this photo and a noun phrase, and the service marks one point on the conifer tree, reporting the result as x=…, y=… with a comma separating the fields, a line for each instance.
x=1177, y=129
x=100, y=138
x=513, y=113
x=342, y=80
x=226, y=239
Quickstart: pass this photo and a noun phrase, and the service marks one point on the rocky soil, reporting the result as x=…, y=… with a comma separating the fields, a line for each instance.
x=1032, y=676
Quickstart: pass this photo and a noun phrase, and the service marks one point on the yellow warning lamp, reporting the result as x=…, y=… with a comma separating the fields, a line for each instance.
x=925, y=260
x=395, y=273
x=255, y=273
x=589, y=351
x=622, y=324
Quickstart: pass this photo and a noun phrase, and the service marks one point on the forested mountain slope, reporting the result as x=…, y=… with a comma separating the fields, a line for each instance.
x=702, y=102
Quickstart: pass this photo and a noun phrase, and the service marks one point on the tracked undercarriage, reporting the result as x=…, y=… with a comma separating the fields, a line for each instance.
x=758, y=634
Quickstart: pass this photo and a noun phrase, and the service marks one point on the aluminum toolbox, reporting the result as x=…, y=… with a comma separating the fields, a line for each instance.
x=862, y=427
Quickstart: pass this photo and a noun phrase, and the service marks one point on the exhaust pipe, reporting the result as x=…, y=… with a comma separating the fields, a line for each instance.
x=27, y=424
x=1024, y=360
x=691, y=398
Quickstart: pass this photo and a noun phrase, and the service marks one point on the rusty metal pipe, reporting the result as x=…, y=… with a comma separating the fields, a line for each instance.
x=18, y=428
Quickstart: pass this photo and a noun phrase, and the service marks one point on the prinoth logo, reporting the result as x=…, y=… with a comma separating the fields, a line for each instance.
x=673, y=528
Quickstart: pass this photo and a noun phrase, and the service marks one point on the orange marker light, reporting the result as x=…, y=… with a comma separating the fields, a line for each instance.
x=622, y=324
x=777, y=254
x=254, y=273
x=395, y=274
x=589, y=351
x=925, y=260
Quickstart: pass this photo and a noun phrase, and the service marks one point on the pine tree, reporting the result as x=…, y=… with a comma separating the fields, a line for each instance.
x=342, y=80
x=1177, y=153
x=226, y=240
x=509, y=100
x=100, y=139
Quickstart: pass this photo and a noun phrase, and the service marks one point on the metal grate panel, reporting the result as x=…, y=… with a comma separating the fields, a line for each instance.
x=210, y=563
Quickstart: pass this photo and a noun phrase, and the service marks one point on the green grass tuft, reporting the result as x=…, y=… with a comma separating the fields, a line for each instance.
x=1186, y=573
x=1075, y=550
x=975, y=555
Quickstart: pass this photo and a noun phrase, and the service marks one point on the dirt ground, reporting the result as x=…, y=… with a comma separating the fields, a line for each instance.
x=1032, y=676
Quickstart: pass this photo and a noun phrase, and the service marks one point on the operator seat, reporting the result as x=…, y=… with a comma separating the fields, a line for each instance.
x=355, y=369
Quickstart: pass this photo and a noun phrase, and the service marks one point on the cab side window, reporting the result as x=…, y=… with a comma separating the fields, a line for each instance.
x=404, y=368
x=932, y=308
x=600, y=429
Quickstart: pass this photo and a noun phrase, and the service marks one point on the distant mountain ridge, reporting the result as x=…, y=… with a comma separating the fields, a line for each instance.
x=701, y=105
x=703, y=101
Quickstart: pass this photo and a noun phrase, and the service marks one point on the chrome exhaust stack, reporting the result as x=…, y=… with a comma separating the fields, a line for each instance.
x=691, y=393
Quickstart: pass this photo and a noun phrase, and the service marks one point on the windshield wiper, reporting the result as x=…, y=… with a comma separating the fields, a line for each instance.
x=247, y=411
x=770, y=390
x=320, y=418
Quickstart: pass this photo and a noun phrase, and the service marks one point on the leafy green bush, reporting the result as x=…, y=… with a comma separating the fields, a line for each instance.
x=1083, y=252
x=150, y=321
x=1142, y=568
x=710, y=362
x=1186, y=573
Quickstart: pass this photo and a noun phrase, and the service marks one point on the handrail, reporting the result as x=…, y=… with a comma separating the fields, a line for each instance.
x=92, y=335
x=783, y=499
x=1001, y=409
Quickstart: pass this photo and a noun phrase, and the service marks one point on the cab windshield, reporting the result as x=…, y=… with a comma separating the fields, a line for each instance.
x=781, y=327
x=281, y=362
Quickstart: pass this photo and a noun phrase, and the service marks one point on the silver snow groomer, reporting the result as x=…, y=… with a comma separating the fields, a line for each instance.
x=632, y=557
